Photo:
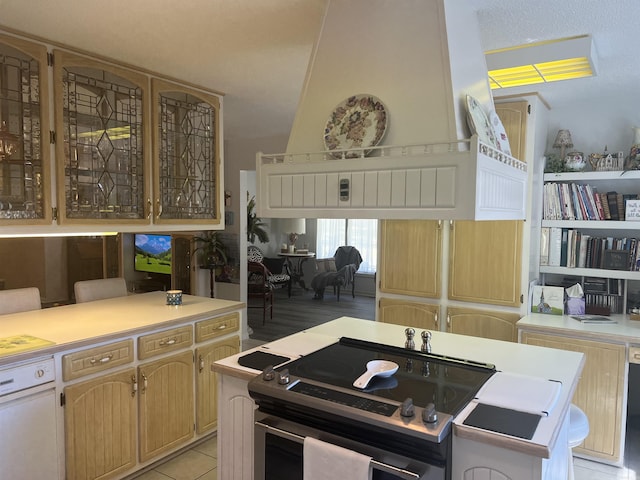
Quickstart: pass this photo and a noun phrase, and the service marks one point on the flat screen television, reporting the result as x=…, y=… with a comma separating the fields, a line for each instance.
x=153, y=253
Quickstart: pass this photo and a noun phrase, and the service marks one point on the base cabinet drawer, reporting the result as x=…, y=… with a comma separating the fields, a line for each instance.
x=217, y=327
x=164, y=342
x=96, y=359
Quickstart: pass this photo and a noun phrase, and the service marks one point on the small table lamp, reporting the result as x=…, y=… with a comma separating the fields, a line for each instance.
x=293, y=227
x=563, y=140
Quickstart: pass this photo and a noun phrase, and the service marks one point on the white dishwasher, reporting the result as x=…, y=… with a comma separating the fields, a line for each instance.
x=28, y=449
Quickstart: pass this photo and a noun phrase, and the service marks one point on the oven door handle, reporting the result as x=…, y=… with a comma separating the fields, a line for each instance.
x=385, y=467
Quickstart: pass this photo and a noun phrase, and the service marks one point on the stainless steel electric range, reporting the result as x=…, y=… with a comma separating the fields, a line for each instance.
x=402, y=421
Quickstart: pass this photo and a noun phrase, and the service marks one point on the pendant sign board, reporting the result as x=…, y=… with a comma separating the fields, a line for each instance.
x=632, y=211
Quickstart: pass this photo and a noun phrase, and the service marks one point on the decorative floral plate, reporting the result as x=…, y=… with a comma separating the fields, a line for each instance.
x=357, y=122
x=500, y=133
x=479, y=123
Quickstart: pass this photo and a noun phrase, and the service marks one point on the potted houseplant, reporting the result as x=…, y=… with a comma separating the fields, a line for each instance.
x=214, y=252
x=255, y=225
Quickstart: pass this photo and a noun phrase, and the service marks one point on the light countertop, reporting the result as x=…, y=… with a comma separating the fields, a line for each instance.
x=515, y=358
x=624, y=331
x=73, y=326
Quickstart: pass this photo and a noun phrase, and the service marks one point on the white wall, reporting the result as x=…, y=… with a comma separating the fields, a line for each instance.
x=605, y=121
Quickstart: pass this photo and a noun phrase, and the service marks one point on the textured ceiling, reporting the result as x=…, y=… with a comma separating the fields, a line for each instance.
x=256, y=52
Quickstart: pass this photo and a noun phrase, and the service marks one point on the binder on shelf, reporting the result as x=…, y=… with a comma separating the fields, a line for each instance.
x=555, y=245
x=564, y=236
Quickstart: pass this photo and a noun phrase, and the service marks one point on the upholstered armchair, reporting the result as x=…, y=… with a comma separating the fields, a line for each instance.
x=337, y=272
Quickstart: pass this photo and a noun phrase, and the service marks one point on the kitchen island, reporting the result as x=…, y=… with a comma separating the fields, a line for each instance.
x=545, y=455
x=134, y=352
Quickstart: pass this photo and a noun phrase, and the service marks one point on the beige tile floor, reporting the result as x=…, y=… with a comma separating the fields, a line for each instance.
x=198, y=463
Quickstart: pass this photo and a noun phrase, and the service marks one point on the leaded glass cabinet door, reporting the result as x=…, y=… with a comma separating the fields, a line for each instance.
x=101, y=148
x=186, y=155
x=25, y=179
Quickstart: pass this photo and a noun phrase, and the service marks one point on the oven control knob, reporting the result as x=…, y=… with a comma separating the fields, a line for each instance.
x=268, y=373
x=407, y=409
x=429, y=414
x=283, y=377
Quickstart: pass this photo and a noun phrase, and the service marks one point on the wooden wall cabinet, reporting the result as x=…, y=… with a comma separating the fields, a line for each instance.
x=465, y=264
x=600, y=392
x=412, y=314
x=101, y=155
x=485, y=262
x=25, y=174
x=186, y=142
x=410, y=257
x=483, y=323
x=109, y=118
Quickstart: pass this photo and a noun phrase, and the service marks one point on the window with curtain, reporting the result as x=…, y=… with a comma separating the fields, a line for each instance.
x=362, y=234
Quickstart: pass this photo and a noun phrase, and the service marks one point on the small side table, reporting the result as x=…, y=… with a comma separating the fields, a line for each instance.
x=296, y=267
x=212, y=276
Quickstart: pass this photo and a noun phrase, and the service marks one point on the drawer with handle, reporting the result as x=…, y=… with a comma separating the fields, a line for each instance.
x=165, y=341
x=96, y=359
x=216, y=327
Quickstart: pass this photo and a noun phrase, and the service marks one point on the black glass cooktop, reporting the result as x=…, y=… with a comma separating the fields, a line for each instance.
x=447, y=382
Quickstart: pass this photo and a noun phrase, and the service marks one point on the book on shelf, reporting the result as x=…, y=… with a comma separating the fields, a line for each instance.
x=582, y=250
x=612, y=200
x=563, y=246
x=605, y=205
x=544, y=245
x=555, y=245
x=599, y=207
x=620, y=206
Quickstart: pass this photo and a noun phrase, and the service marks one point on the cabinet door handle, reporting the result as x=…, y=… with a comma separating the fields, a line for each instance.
x=144, y=382
x=159, y=208
x=134, y=385
x=448, y=320
x=166, y=343
x=436, y=321
x=222, y=327
x=201, y=363
x=149, y=208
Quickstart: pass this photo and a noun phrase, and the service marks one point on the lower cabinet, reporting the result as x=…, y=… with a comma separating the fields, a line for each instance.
x=150, y=406
x=412, y=314
x=166, y=404
x=483, y=323
x=206, y=381
x=600, y=392
x=100, y=426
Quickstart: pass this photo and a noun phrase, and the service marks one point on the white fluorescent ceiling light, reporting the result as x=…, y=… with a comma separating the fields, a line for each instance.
x=541, y=62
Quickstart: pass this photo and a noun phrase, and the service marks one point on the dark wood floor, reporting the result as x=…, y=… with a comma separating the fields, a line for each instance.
x=301, y=311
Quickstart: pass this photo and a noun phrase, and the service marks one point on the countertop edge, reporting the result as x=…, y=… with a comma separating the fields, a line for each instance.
x=50, y=350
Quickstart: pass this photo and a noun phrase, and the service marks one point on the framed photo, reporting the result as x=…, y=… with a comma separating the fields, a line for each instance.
x=549, y=300
x=632, y=211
